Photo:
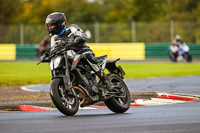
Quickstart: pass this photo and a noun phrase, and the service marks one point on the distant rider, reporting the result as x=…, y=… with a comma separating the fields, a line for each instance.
x=44, y=46
x=183, y=47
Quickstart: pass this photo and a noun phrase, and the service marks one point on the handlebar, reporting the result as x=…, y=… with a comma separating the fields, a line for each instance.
x=54, y=52
x=46, y=59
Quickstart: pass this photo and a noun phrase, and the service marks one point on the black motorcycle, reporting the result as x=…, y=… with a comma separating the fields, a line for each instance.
x=75, y=84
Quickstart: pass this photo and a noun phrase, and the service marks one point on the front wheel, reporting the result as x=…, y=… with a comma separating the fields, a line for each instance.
x=173, y=57
x=121, y=100
x=66, y=104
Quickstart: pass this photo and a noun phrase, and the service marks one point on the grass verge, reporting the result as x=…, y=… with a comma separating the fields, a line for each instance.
x=146, y=70
x=24, y=73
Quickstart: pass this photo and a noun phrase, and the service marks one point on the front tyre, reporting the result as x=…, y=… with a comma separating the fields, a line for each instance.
x=173, y=57
x=120, y=102
x=66, y=104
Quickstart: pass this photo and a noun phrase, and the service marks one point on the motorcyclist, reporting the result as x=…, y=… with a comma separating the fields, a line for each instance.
x=56, y=27
x=179, y=50
x=183, y=47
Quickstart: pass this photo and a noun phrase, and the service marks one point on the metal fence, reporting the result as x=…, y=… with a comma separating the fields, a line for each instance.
x=148, y=32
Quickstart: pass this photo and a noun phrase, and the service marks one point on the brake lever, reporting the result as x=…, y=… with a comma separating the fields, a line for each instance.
x=45, y=59
x=52, y=53
x=39, y=62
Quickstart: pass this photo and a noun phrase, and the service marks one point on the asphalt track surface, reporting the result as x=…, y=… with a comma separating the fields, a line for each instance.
x=186, y=85
x=173, y=118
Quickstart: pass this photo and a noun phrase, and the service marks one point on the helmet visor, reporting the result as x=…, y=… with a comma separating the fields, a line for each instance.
x=50, y=27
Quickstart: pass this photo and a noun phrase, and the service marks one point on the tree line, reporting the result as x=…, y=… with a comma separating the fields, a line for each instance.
x=84, y=11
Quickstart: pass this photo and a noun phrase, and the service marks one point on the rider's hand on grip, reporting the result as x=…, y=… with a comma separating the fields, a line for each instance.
x=43, y=57
x=77, y=40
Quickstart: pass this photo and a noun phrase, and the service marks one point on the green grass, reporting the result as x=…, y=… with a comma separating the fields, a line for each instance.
x=24, y=73
x=146, y=70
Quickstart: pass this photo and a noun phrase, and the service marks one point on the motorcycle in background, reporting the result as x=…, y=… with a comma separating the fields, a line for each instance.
x=179, y=52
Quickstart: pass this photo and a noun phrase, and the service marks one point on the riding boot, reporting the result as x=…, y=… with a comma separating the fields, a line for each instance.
x=105, y=80
x=98, y=70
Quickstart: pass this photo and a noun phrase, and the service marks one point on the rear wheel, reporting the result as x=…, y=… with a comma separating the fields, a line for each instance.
x=120, y=102
x=189, y=58
x=66, y=104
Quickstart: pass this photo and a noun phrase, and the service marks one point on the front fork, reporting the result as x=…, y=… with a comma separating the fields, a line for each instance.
x=66, y=77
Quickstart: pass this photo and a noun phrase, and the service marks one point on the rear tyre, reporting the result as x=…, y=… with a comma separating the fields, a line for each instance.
x=66, y=104
x=121, y=101
x=189, y=58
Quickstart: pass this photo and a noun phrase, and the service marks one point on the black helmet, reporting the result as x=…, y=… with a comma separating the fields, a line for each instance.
x=57, y=22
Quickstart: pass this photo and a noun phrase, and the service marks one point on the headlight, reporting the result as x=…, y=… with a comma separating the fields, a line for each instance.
x=51, y=64
x=54, y=63
x=57, y=61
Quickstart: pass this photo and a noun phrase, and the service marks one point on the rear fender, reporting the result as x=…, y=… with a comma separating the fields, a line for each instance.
x=112, y=68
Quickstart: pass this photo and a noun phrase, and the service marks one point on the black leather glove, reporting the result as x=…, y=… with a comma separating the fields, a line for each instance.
x=77, y=40
x=44, y=56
